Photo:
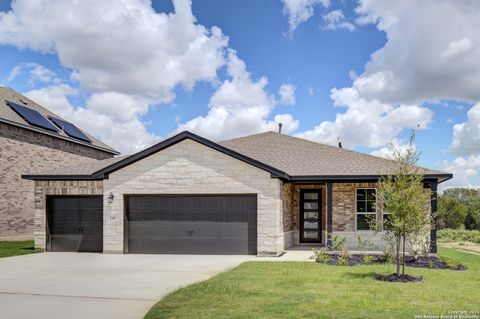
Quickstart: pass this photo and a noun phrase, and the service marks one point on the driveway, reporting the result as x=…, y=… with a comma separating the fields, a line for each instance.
x=83, y=285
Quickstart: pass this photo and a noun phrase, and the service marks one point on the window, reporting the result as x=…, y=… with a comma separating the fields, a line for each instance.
x=366, y=207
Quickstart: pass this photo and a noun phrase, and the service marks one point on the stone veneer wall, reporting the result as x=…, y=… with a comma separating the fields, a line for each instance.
x=23, y=151
x=190, y=167
x=45, y=188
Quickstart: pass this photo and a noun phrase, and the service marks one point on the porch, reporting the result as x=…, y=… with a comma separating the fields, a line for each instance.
x=312, y=211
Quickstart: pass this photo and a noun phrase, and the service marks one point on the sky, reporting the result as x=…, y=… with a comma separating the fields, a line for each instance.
x=363, y=72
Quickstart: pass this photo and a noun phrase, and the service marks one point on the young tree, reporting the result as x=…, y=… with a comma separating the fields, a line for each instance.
x=403, y=196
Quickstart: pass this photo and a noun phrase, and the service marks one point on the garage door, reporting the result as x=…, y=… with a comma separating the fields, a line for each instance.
x=192, y=224
x=75, y=224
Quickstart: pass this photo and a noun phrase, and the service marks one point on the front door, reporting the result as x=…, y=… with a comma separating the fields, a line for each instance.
x=310, y=216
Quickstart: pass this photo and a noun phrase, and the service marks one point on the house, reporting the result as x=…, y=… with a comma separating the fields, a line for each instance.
x=31, y=137
x=258, y=194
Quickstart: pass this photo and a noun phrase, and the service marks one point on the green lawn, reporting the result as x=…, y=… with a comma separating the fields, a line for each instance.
x=262, y=289
x=13, y=248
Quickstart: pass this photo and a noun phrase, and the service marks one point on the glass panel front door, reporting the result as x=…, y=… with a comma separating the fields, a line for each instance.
x=310, y=216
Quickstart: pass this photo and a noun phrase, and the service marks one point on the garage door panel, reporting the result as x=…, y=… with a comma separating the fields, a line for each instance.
x=75, y=223
x=201, y=224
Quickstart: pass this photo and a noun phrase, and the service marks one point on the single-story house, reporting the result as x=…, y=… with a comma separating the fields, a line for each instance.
x=34, y=138
x=258, y=194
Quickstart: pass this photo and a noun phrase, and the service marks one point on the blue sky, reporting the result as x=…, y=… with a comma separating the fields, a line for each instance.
x=312, y=46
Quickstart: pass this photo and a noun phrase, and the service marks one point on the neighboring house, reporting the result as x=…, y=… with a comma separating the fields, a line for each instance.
x=32, y=138
x=258, y=194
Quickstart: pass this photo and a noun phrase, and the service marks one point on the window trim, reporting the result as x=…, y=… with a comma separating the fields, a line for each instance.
x=363, y=213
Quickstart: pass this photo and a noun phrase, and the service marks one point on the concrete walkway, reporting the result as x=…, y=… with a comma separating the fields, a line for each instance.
x=81, y=285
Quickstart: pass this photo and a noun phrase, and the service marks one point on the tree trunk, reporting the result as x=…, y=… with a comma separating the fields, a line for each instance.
x=403, y=257
x=398, y=254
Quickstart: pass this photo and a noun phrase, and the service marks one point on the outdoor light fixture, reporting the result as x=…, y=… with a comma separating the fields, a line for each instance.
x=110, y=198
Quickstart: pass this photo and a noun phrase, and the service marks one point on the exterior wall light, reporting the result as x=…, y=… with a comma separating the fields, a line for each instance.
x=110, y=198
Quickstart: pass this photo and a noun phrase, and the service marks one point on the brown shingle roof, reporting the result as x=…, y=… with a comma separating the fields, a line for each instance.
x=300, y=157
x=284, y=156
x=9, y=116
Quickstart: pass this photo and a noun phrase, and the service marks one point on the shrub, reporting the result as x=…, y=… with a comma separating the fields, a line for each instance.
x=451, y=262
x=458, y=235
x=338, y=243
x=322, y=255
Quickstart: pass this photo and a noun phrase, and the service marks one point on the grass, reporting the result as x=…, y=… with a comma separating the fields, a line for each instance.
x=14, y=248
x=263, y=289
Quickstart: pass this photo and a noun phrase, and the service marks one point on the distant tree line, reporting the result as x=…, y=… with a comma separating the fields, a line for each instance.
x=459, y=208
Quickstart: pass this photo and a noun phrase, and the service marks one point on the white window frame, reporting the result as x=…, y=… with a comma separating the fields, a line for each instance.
x=362, y=213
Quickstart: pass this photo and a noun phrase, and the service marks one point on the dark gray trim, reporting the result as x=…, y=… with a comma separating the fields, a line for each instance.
x=60, y=177
x=329, y=213
x=56, y=135
x=358, y=178
x=178, y=138
x=433, y=231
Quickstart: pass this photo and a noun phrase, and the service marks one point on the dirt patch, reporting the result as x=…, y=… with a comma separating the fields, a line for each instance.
x=401, y=278
x=463, y=246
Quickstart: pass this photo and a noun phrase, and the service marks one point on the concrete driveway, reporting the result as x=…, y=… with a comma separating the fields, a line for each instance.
x=82, y=285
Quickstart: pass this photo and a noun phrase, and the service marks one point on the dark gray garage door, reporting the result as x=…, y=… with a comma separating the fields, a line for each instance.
x=75, y=224
x=192, y=224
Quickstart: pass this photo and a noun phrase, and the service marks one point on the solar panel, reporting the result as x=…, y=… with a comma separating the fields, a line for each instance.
x=70, y=129
x=32, y=117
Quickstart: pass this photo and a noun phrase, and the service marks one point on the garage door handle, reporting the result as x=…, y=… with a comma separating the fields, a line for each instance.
x=190, y=232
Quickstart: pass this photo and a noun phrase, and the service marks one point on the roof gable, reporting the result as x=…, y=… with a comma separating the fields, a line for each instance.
x=103, y=173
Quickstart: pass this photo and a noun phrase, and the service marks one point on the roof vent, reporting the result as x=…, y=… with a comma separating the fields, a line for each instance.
x=23, y=101
x=280, y=128
x=339, y=143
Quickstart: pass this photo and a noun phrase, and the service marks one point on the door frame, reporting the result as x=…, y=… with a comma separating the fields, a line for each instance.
x=302, y=211
x=48, y=216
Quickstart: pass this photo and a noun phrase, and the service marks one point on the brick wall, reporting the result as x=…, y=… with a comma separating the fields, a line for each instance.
x=189, y=167
x=23, y=151
x=45, y=188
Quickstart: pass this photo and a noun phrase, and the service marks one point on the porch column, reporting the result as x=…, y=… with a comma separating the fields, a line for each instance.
x=433, y=231
x=329, y=213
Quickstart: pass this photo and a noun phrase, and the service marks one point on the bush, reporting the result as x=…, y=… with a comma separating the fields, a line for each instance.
x=458, y=235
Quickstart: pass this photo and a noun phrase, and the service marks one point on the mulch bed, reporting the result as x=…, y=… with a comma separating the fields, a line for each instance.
x=401, y=278
x=432, y=262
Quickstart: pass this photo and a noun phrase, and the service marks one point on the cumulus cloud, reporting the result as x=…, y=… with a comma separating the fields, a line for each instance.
x=55, y=98
x=335, y=20
x=240, y=106
x=299, y=11
x=287, y=94
x=466, y=135
x=145, y=53
x=463, y=169
x=35, y=72
x=367, y=122
x=429, y=56
x=389, y=150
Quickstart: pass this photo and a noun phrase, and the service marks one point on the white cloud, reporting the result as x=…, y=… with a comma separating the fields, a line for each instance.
x=430, y=55
x=456, y=48
x=36, y=73
x=54, y=98
x=287, y=94
x=299, y=11
x=466, y=135
x=389, y=150
x=335, y=20
x=240, y=106
x=119, y=46
x=463, y=169
x=367, y=122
